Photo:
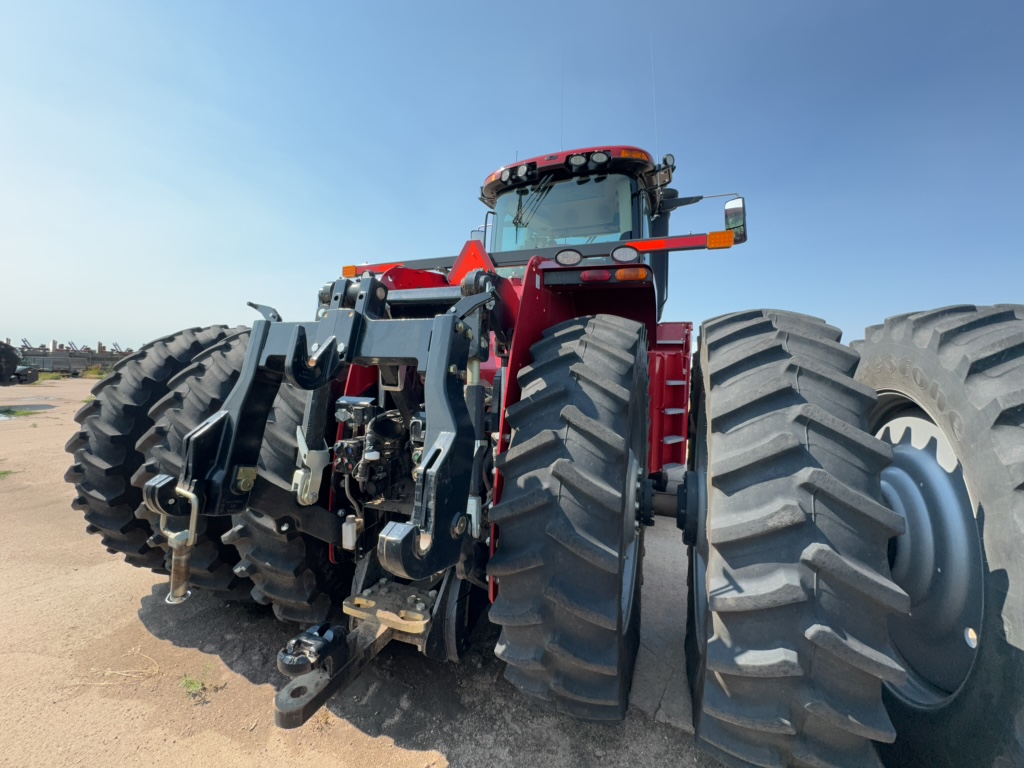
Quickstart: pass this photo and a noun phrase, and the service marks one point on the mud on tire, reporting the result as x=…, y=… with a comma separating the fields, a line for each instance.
x=788, y=646
x=951, y=381
x=104, y=446
x=568, y=561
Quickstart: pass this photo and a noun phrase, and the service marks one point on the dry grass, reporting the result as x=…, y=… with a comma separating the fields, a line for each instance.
x=121, y=676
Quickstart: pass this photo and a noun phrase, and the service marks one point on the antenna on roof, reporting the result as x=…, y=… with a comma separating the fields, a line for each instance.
x=561, y=108
x=654, y=100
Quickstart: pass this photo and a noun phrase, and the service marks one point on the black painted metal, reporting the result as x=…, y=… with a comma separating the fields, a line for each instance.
x=280, y=505
x=352, y=330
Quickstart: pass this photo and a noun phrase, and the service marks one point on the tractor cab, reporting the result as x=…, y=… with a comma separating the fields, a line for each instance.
x=588, y=197
x=574, y=198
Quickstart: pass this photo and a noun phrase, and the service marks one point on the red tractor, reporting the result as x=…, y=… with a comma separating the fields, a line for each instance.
x=493, y=432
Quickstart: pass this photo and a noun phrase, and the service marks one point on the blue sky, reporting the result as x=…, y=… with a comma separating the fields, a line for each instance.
x=161, y=163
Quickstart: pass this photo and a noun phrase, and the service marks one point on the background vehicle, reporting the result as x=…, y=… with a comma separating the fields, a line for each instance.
x=498, y=428
x=10, y=361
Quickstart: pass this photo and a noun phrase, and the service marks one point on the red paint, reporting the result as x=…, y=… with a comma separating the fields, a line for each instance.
x=400, y=278
x=684, y=243
x=561, y=158
x=473, y=256
x=669, y=366
x=558, y=163
x=539, y=308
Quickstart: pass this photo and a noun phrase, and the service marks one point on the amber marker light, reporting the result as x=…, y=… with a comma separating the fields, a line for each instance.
x=631, y=273
x=721, y=239
x=635, y=154
x=376, y=269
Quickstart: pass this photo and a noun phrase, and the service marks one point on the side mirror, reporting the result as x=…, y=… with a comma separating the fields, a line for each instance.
x=736, y=219
x=478, y=234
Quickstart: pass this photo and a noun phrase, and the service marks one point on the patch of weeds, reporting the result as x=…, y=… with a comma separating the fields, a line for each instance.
x=48, y=376
x=194, y=688
x=95, y=372
x=5, y=472
x=14, y=412
x=89, y=399
x=322, y=721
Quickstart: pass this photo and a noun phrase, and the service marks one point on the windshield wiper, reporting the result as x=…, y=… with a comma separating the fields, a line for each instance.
x=526, y=209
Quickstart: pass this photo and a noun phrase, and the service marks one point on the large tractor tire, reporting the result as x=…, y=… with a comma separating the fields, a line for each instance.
x=570, y=548
x=104, y=447
x=291, y=571
x=950, y=386
x=194, y=395
x=791, y=591
x=272, y=563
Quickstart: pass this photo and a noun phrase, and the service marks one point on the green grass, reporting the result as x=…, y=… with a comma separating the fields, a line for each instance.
x=49, y=376
x=96, y=372
x=13, y=412
x=194, y=688
x=5, y=472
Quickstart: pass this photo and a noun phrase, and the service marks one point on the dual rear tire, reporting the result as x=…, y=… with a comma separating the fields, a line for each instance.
x=916, y=566
x=134, y=430
x=950, y=386
x=790, y=585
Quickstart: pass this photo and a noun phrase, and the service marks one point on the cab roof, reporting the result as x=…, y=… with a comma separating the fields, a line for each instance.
x=621, y=159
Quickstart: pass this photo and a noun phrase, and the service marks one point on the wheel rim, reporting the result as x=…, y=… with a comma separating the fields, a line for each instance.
x=631, y=533
x=938, y=561
x=700, y=549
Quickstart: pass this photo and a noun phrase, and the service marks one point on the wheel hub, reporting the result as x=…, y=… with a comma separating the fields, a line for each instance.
x=631, y=538
x=938, y=560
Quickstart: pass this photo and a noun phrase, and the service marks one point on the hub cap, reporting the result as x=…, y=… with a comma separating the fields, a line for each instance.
x=632, y=540
x=938, y=561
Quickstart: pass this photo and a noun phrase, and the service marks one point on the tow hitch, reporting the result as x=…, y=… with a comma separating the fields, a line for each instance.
x=324, y=660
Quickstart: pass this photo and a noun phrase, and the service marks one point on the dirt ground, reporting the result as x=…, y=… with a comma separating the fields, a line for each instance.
x=97, y=671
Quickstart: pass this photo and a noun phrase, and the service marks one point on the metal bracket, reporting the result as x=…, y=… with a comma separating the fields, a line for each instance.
x=304, y=695
x=269, y=313
x=161, y=497
x=399, y=606
x=306, y=480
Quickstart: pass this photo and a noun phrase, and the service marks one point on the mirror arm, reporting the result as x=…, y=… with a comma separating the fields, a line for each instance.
x=670, y=204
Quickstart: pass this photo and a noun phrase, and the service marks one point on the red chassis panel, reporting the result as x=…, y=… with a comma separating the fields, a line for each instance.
x=669, y=363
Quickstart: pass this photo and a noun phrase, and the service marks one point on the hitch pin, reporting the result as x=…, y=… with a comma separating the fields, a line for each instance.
x=181, y=543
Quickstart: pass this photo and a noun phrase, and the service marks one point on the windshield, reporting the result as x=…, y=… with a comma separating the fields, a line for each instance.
x=590, y=209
